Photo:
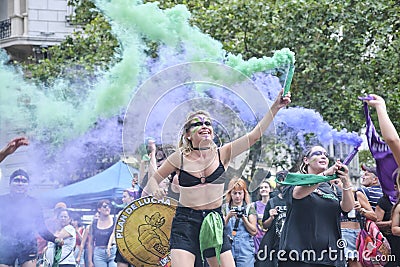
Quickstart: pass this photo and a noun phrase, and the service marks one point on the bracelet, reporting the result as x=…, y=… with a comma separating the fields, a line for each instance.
x=348, y=188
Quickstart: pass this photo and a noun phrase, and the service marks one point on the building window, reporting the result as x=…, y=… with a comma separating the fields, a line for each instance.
x=5, y=28
x=70, y=14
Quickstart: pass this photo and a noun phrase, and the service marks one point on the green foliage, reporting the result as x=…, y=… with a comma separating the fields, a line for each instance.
x=365, y=157
x=343, y=48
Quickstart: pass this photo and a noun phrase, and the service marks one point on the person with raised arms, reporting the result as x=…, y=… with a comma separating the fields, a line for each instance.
x=392, y=139
x=388, y=130
x=12, y=146
x=200, y=165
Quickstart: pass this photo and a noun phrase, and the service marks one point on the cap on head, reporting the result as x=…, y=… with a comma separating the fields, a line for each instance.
x=19, y=172
x=369, y=169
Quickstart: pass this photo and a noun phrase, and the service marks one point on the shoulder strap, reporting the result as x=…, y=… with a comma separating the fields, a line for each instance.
x=67, y=255
x=248, y=210
x=181, y=161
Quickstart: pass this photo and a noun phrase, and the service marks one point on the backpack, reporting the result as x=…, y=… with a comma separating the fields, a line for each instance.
x=373, y=248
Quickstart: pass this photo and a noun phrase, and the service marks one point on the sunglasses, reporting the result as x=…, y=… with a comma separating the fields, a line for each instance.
x=200, y=123
x=20, y=180
x=105, y=206
x=319, y=153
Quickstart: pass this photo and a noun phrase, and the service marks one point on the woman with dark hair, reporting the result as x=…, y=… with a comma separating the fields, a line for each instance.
x=67, y=232
x=240, y=218
x=263, y=196
x=312, y=221
x=99, y=235
x=200, y=165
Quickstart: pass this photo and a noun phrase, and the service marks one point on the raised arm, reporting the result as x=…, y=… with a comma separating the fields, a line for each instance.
x=389, y=133
x=12, y=146
x=238, y=146
x=153, y=161
x=168, y=167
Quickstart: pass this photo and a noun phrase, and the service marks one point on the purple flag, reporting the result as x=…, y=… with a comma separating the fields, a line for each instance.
x=385, y=162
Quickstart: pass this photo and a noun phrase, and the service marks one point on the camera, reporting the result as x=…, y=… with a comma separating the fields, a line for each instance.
x=239, y=211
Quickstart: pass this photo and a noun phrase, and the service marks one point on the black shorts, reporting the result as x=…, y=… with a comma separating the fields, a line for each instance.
x=185, y=232
x=119, y=258
x=11, y=249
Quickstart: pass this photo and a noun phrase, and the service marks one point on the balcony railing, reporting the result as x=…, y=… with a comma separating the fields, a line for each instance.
x=5, y=28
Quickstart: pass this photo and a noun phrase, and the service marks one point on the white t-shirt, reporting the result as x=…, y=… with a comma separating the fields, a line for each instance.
x=67, y=248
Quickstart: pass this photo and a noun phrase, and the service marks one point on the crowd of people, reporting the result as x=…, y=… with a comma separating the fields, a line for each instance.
x=285, y=220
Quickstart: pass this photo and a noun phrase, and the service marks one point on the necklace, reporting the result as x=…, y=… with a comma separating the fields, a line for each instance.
x=201, y=148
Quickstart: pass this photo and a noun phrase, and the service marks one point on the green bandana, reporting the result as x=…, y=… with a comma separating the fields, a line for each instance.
x=305, y=179
x=211, y=233
x=57, y=256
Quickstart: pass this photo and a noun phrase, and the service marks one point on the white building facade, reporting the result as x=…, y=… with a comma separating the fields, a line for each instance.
x=26, y=26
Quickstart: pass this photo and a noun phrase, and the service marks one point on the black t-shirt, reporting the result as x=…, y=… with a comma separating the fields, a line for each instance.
x=21, y=217
x=385, y=204
x=274, y=231
x=312, y=227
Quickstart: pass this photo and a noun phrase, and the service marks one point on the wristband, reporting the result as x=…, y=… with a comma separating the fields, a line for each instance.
x=348, y=188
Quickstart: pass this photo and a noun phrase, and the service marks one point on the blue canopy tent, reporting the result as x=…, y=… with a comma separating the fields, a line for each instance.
x=108, y=184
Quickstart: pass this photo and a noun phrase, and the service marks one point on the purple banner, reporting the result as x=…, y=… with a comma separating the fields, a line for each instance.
x=385, y=162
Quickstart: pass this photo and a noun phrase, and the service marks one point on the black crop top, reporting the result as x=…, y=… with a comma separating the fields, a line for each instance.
x=187, y=180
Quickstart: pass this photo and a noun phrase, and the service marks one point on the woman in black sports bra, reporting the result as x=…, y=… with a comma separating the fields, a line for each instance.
x=200, y=164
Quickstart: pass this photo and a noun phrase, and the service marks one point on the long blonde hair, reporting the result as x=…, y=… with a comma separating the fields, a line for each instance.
x=237, y=184
x=185, y=145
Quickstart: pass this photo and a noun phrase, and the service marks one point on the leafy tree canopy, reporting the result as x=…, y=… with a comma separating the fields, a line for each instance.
x=344, y=48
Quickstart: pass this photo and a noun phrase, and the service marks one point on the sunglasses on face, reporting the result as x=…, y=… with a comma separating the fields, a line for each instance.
x=319, y=153
x=200, y=123
x=105, y=206
x=20, y=180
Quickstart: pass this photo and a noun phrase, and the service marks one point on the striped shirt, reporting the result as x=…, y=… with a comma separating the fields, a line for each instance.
x=373, y=193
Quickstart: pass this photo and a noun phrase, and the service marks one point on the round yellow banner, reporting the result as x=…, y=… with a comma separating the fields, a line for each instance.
x=143, y=229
